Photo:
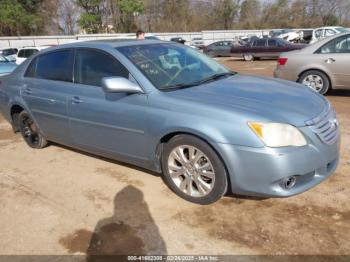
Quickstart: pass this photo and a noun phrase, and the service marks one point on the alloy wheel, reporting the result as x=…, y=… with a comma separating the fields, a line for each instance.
x=191, y=171
x=315, y=82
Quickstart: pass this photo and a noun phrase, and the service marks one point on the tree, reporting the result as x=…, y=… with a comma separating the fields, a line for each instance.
x=91, y=17
x=250, y=14
x=129, y=9
x=68, y=13
x=16, y=18
x=226, y=11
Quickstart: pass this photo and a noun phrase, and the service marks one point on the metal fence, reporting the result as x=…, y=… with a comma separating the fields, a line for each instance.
x=208, y=37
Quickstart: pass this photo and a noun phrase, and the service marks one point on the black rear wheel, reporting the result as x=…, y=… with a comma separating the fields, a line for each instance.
x=30, y=131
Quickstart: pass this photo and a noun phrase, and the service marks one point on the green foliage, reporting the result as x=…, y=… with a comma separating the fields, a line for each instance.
x=90, y=22
x=91, y=18
x=16, y=18
x=130, y=6
x=129, y=9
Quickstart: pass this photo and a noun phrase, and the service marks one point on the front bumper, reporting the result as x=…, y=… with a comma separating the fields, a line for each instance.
x=261, y=171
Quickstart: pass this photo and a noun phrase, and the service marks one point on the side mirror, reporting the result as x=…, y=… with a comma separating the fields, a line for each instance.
x=120, y=85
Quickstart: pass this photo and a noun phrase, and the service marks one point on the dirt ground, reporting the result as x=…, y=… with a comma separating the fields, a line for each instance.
x=61, y=201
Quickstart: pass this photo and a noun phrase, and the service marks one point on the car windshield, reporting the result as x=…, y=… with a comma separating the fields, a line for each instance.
x=172, y=66
x=3, y=59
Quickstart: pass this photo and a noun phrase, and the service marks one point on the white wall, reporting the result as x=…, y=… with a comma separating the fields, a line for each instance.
x=208, y=37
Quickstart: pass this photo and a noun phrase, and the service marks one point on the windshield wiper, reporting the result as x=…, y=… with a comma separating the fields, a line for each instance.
x=216, y=77
x=206, y=80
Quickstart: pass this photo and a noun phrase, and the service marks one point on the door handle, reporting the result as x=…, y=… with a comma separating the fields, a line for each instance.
x=52, y=101
x=27, y=91
x=330, y=60
x=76, y=100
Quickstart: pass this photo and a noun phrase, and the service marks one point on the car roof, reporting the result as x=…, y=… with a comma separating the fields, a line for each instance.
x=112, y=43
x=328, y=27
x=34, y=47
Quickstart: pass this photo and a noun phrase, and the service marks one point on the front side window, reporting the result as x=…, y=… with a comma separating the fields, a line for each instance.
x=91, y=66
x=170, y=66
x=338, y=45
x=272, y=42
x=56, y=66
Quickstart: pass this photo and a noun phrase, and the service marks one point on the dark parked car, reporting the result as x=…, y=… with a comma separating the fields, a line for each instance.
x=221, y=48
x=264, y=48
x=179, y=40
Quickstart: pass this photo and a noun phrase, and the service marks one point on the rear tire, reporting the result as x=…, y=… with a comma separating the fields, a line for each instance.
x=30, y=131
x=316, y=80
x=248, y=57
x=193, y=170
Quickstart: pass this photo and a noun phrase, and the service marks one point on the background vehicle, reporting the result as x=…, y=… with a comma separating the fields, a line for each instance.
x=287, y=34
x=150, y=36
x=25, y=52
x=321, y=66
x=221, y=48
x=6, y=66
x=173, y=110
x=9, y=53
x=323, y=32
x=264, y=48
x=179, y=40
x=198, y=42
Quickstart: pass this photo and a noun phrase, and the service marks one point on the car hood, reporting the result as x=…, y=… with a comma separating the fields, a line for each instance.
x=264, y=99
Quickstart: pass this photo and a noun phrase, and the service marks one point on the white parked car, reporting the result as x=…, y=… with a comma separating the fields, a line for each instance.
x=25, y=52
x=323, y=32
x=9, y=53
x=287, y=34
x=197, y=42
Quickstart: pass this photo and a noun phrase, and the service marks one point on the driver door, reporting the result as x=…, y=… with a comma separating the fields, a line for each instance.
x=111, y=123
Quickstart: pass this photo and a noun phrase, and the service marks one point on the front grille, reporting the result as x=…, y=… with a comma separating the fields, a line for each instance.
x=325, y=126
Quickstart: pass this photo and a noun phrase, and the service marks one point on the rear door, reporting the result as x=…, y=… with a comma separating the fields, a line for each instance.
x=259, y=48
x=110, y=123
x=334, y=57
x=273, y=48
x=45, y=86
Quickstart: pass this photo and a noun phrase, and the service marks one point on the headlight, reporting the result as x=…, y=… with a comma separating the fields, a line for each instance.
x=278, y=135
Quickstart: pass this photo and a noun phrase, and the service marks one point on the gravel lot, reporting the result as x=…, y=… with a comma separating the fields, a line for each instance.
x=61, y=201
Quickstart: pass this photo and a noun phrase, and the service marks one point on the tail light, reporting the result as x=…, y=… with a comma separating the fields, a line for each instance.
x=282, y=61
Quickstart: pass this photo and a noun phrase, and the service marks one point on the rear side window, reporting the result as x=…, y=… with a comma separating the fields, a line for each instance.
x=25, y=53
x=91, y=66
x=56, y=66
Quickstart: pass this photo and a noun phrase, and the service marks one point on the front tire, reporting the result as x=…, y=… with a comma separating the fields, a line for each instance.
x=315, y=80
x=30, y=131
x=193, y=170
